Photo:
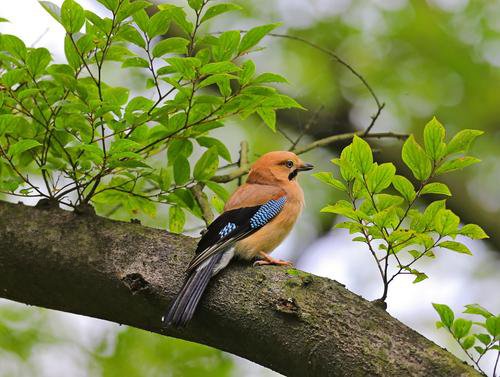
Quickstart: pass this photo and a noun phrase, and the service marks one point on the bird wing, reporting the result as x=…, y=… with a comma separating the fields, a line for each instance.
x=234, y=225
x=252, y=194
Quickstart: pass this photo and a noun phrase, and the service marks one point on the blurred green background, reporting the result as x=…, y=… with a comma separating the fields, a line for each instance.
x=422, y=58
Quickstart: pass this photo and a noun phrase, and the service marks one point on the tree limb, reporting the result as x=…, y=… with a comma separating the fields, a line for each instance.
x=301, y=325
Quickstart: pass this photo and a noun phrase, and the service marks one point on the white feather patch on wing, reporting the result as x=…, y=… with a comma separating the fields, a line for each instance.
x=226, y=258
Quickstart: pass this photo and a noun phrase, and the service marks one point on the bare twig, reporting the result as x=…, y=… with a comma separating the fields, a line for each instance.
x=311, y=122
x=243, y=161
x=243, y=169
x=380, y=105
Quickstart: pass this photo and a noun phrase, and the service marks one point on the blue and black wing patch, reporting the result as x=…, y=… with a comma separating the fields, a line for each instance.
x=267, y=212
x=232, y=226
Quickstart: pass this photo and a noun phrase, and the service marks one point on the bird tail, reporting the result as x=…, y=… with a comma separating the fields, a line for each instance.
x=184, y=305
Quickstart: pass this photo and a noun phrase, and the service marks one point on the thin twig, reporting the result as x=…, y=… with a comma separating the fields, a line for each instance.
x=312, y=121
x=242, y=170
x=243, y=160
x=380, y=105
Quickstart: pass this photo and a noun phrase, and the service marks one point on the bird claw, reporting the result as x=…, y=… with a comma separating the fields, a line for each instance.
x=270, y=261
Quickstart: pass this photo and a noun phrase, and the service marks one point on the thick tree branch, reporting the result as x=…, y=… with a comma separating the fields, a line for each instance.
x=297, y=325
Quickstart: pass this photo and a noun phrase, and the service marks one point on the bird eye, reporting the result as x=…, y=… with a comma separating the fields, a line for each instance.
x=289, y=164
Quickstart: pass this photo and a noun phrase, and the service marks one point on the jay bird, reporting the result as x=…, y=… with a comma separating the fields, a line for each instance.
x=256, y=219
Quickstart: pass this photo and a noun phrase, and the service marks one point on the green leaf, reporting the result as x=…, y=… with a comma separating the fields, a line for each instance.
x=22, y=146
x=219, y=190
x=123, y=145
x=207, y=165
x=434, y=134
x=327, y=178
x=185, y=66
x=435, y=188
x=110, y=4
x=384, y=201
x=416, y=159
x=461, y=327
x=71, y=54
x=195, y=4
x=446, y=222
x=468, y=342
x=445, y=313
x=419, y=276
x=135, y=62
x=141, y=18
x=138, y=103
x=128, y=9
x=247, y=72
x=426, y=221
x=253, y=36
x=216, y=79
x=404, y=187
x=72, y=16
x=455, y=246
x=456, y=164
x=493, y=326
x=380, y=177
x=179, y=16
x=342, y=207
x=269, y=77
x=52, y=9
x=130, y=34
x=386, y=219
x=158, y=23
x=361, y=154
x=218, y=204
x=13, y=45
x=483, y=338
x=477, y=309
x=218, y=9
x=170, y=45
x=179, y=147
x=480, y=350
x=182, y=170
x=473, y=231
x=268, y=115
x=37, y=60
x=165, y=178
x=462, y=141
x=115, y=95
x=209, y=142
x=353, y=227
x=176, y=219
x=220, y=67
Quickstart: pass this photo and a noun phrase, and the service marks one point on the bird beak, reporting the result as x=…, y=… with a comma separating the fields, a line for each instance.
x=305, y=167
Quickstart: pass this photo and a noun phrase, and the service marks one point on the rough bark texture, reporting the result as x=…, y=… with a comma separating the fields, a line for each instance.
x=123, y=272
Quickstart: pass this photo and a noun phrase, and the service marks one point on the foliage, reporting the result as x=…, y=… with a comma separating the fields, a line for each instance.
x=484, y=331
x=125, y=351
x=382, y=206
x=95, y=143
x=160, y=355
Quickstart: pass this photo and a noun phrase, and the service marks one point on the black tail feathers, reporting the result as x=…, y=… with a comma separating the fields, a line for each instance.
x=182, y=309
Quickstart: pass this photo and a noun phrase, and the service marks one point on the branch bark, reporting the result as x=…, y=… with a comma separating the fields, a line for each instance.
x=300, y=326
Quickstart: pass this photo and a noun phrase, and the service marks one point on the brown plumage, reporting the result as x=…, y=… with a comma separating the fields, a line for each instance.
x=269, y=179
x=256, y=219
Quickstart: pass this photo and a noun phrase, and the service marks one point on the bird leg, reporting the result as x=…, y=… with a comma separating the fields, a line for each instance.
x=269, y=260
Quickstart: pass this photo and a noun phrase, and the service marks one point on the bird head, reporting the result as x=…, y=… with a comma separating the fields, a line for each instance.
x=278, y=166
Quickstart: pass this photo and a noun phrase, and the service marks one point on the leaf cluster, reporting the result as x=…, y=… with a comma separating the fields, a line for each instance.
x=382, y=207
x=91, y=142
x=476, y=338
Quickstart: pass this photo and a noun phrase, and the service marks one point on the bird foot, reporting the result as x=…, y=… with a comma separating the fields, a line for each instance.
x=267, y=260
